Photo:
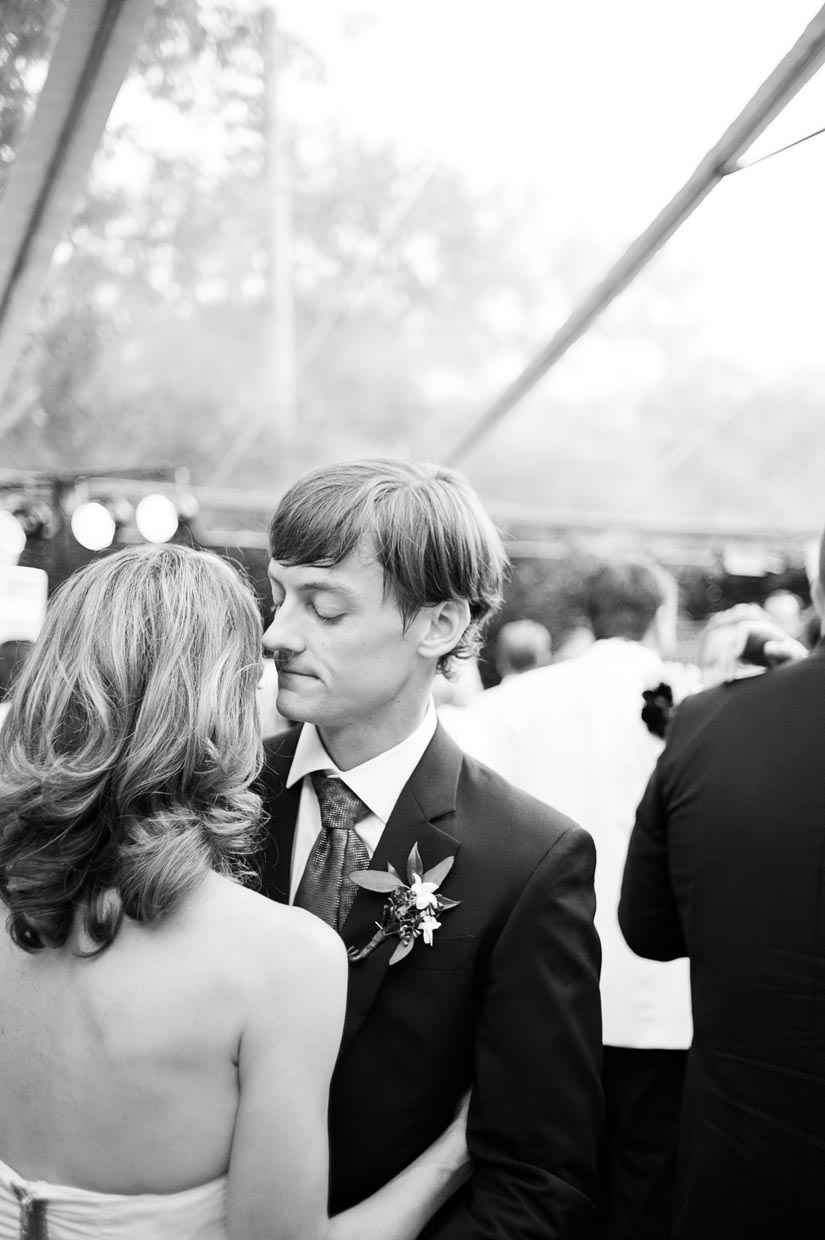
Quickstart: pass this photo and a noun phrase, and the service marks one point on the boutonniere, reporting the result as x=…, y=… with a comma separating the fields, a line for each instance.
x=411, y=908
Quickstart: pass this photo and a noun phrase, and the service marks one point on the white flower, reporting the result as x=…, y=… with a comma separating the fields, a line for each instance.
x=424, y=893
x=428, y=924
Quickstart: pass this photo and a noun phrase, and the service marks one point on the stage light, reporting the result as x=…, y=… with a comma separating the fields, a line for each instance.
x=156, y=517
x=94, y=526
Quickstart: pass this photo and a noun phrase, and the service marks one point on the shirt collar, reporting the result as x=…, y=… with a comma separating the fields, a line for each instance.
x=378, y=782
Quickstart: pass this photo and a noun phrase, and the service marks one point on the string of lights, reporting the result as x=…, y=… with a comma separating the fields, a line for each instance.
x=94, y=509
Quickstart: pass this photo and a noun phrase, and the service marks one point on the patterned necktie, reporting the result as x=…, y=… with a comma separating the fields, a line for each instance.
x=325, y=887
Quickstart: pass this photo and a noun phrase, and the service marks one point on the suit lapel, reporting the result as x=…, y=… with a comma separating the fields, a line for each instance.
x=429, y=794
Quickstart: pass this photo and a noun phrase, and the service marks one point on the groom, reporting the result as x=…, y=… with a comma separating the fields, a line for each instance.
x=383, y=572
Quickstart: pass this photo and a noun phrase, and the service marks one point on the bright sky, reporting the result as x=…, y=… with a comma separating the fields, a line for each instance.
x=532, y=89
x=602, y=110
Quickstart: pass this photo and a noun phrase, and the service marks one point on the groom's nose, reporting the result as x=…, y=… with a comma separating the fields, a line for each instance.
x=281, y=637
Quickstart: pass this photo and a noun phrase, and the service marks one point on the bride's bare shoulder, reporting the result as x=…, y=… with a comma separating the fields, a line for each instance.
x=286, y=968
x=265, y=934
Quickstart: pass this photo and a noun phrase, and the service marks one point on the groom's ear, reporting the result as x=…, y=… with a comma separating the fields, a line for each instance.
x=445, y=624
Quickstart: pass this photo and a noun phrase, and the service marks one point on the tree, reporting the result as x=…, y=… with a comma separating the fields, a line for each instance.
x=150, y=327
x=27, y=33
x=417, y=300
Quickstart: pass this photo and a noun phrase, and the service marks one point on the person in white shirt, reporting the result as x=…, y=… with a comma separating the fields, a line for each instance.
x=572, y=734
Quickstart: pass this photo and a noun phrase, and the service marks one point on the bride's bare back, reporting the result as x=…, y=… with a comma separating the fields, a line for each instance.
x=121, y=1073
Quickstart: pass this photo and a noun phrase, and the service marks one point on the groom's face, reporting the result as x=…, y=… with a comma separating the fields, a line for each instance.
x=344, y=658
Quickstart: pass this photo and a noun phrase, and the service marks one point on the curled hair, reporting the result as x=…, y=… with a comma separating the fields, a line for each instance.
x=126, y=760
x=424, y=523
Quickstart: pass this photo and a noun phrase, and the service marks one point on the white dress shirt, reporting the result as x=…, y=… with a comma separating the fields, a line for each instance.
x=572, y=735
x=378, y=782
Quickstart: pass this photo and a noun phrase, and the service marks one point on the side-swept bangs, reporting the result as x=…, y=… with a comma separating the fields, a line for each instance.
x=423, y=523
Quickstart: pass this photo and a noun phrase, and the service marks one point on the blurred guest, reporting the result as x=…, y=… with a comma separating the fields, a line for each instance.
x=744, y=641
x=522, y=645
x=785, y=609
x=572, y=734
x=725, y=865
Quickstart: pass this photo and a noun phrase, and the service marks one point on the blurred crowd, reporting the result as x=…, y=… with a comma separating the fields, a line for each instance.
x=582, y=728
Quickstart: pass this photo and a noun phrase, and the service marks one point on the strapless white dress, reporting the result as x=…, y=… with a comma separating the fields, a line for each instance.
x=34, y=1210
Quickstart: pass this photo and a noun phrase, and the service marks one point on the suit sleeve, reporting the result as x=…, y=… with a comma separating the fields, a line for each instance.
x=648, y=913
x=536, y=1107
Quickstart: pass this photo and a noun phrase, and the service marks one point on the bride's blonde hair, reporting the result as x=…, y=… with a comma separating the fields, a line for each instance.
x=132, y=741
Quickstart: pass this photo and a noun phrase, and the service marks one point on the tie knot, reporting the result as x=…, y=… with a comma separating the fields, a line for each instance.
x=340, y=808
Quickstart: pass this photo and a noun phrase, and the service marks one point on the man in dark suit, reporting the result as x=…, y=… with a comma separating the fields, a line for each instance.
x=383, y=572
x=726, y=865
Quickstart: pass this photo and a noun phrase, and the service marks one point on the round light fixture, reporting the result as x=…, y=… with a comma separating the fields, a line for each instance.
x=156, y=518
x=93, y=526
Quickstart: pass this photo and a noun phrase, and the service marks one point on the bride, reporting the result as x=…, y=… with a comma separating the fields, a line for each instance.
x=167, y=1036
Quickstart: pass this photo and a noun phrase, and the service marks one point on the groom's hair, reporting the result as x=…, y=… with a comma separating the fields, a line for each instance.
x=424, y=524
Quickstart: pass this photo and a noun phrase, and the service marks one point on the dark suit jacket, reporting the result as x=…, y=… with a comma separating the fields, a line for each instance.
x=727, y=865
x=507, y=998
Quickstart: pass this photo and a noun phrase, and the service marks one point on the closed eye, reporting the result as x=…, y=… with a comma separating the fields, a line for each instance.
x=333, y=619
